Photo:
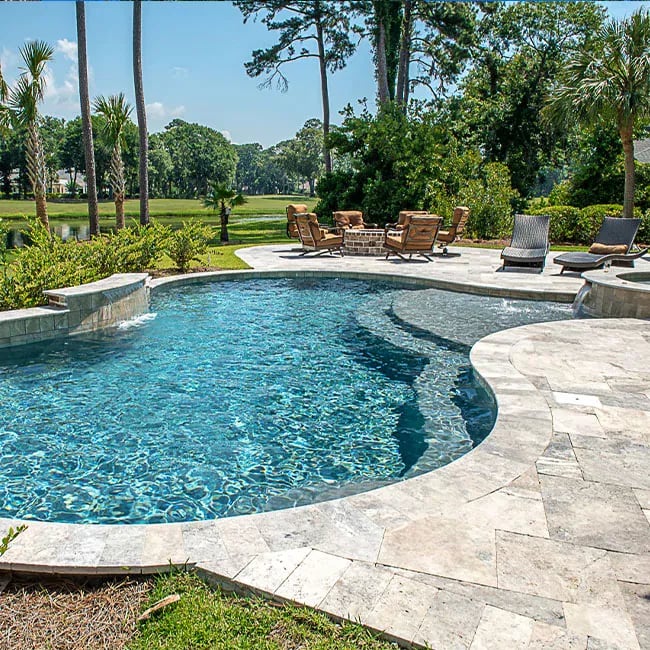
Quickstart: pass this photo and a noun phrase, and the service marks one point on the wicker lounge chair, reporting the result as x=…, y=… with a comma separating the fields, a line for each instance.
x=529, y=243
x=292, y=210
x=418, y=237
x=316, y=239
x=353, y=219
x=612, y=244
x=458, y=222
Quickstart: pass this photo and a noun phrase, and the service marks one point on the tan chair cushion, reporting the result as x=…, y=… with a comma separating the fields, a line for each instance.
x=604, y=249
x=329, y=239
x=393, y=242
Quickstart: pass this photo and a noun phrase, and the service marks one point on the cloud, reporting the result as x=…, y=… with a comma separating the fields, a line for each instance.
x=226, y=134
x=67, y=48
x=179, y=72
x=159, y=110
x=8, y=58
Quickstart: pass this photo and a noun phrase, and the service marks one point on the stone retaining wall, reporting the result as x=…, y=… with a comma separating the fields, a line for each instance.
x=74, y=310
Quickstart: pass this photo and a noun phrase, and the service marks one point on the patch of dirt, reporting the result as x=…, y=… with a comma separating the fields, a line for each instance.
x=70, y=615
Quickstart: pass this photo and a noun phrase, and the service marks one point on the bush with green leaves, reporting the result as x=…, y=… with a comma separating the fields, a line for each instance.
x=565, y=222
x=464, y=179
x=50, y=263
x=47, y=263
x=185, y=244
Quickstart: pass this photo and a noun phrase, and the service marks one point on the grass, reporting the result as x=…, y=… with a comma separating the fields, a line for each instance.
x=207, y=619
x=268, y=204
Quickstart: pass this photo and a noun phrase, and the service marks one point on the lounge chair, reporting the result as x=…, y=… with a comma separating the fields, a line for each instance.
x=529, y=243
x=458, y=222
x=292, y=210
x=316, y=239
x=418, y=237
x=612, y=244
x=353, y=219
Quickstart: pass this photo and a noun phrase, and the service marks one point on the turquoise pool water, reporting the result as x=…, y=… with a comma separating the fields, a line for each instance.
x=238, y=397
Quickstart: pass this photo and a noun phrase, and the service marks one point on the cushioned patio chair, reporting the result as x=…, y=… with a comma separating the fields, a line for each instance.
x=529, y=244
x=458, y=222
x=292, y=210
x=612, y=244
x=316, y=239
x=353, y=219
x=404, y=217
x=418, y=237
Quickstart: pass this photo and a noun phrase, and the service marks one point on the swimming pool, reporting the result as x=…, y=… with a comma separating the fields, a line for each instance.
x=238, y=397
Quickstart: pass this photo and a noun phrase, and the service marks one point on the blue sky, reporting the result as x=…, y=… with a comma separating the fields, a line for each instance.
x=193, y=56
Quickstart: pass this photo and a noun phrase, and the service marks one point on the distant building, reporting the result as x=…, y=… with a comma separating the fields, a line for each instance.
x=62, y=180
x=642, y=150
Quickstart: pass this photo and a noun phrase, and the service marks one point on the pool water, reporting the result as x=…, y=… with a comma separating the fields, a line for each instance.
x=237, y=397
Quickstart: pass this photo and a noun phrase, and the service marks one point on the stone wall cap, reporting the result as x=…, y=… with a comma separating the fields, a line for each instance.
x=115, y=281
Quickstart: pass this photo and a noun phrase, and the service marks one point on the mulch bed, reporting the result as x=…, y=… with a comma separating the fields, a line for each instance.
x=64, y=614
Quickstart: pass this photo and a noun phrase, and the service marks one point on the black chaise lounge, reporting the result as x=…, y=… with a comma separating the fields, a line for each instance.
x=529, y=243
x=612, y=244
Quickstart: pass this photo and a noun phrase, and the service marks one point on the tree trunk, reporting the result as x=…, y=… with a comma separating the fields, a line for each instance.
x=141, y=112
x=223, y=237
x=324, y=90
x=36, y=172
x=382, y=70
x=312, y=187
x=628, y=149
x=119, y=210
x=405, y=56
x=86, y=122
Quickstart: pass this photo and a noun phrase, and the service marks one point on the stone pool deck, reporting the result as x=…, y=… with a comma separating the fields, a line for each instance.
x=538, y=538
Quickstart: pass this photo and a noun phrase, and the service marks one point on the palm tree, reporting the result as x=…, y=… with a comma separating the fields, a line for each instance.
x=23, y=100
x=219, y=197
x=141, y=112
x=86, y=123
x=116, y=111
x=609, y=80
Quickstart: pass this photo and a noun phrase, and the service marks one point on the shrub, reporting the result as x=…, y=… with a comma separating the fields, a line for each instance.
x=565, y=222
x=184, y=244
x=49, y=263
x=643, y=236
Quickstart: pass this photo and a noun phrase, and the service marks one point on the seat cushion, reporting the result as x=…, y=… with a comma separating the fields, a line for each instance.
x=605, y=249
x=329, y=239
x=393, y=242
x=523, y=254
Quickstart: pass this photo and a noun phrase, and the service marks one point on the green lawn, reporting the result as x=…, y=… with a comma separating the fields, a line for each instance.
x=206, y=619
x=256, y=205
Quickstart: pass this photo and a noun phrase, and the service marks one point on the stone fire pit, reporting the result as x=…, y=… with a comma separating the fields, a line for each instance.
x=365, y=243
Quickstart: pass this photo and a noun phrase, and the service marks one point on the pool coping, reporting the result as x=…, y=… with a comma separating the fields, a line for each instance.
x=302, y=555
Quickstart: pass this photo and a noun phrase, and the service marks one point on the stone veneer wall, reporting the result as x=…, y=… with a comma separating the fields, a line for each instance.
x=367, y=243
x=615, y=295
x=74, y=310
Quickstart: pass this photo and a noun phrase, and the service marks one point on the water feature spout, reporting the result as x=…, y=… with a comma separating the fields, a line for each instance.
x=578, y=308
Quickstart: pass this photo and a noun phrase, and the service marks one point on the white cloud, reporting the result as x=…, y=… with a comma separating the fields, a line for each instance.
x=155, y=110
x=179, y=72
x=159, y=110
x=226, y=134
x=8, y=58
x=63, y=95
x=67, y=48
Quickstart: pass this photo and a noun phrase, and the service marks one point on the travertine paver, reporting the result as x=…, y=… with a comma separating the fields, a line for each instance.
x=536, y=539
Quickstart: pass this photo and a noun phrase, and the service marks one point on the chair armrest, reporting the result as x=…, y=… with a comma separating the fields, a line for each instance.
x=390, y=226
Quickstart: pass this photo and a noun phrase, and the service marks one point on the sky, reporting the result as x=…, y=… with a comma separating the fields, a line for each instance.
x=193, y=58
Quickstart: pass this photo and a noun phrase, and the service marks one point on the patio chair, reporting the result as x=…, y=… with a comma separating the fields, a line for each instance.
x=353, y=219
x=458, y=222
x=529, y=244
x=292, y=210
x=316, y=239
x=612, y=244
x=418, y=237
x=404, y=217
